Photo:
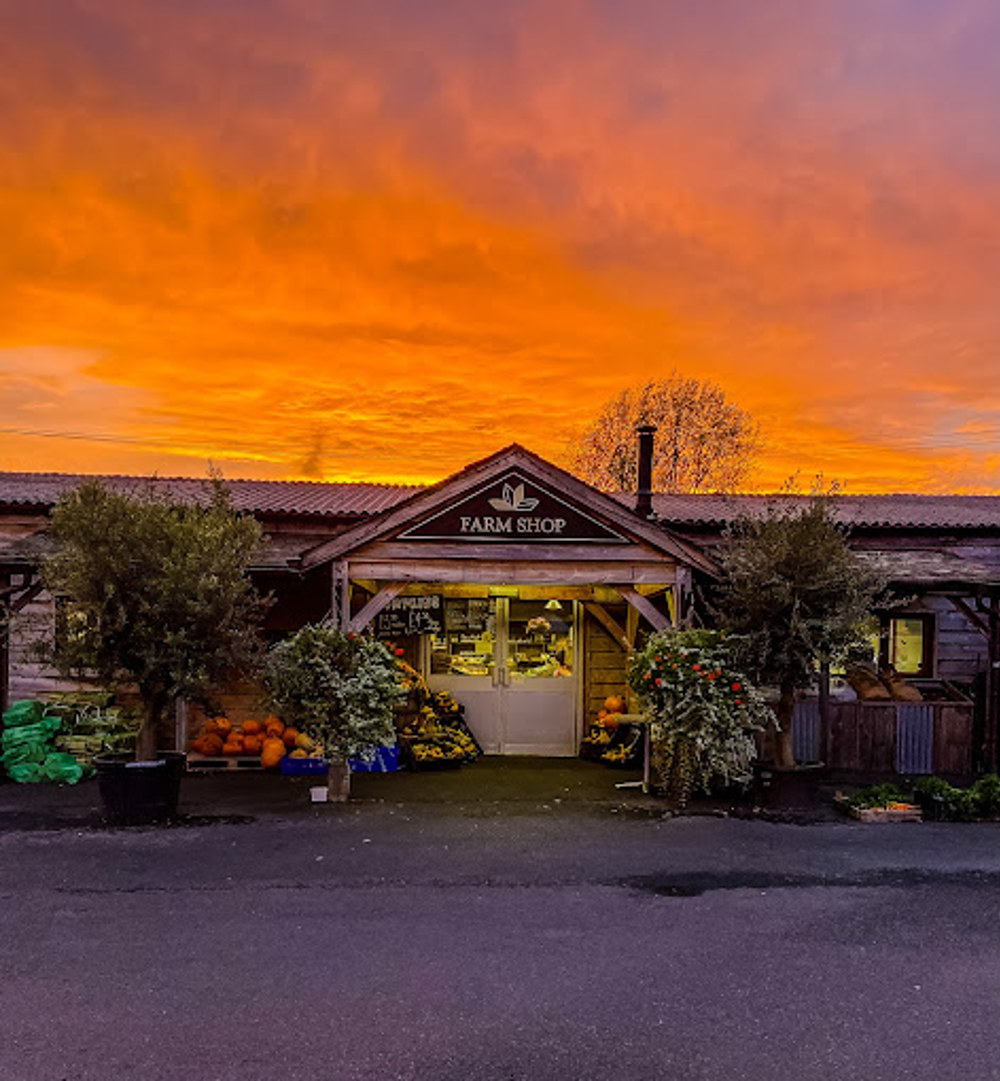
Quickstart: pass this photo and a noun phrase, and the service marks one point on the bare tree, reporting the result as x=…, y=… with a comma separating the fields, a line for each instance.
x=703, y=443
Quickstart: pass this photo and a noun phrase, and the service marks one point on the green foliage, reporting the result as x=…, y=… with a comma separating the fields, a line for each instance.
x=340, y=688
x=939, y=799
x=704, y=709
x=158, y=593
x=876, y=795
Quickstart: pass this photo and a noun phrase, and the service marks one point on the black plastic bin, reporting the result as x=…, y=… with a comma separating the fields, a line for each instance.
x=139, y=793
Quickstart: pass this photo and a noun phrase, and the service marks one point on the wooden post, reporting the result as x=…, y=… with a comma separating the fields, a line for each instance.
x=824, y=710
x=4, y=655
x=340, y=595
x=992, y=689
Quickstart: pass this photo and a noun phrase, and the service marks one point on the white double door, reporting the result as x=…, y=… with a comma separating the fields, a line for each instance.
x=527, y=701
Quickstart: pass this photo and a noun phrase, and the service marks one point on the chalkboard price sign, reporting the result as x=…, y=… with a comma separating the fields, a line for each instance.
x=410, y=615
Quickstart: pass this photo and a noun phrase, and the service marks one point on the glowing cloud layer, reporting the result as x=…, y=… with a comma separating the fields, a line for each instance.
x=299, y=237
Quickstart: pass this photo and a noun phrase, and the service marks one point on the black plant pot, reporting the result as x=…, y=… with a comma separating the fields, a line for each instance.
x=139, y=793
x=780, y=787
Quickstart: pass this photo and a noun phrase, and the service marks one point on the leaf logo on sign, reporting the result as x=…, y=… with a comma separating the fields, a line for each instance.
x=513, y=500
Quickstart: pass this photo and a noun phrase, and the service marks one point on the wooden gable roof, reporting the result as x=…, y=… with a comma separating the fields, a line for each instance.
x=517, y=474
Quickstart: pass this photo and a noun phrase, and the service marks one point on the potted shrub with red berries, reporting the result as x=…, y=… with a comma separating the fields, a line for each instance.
x=703, y=711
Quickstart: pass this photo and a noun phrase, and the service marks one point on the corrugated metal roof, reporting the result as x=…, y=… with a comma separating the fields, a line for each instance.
x=355, y=500
x=898, y=511
x=328, y=500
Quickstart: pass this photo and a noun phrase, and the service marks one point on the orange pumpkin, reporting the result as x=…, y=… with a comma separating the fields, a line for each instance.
x=252, y=728
x=212, y=743
x=223, y=725
x=231, y=747
x=275, y=729
x=198, y=745
x=273, y=753
x=290, y=735
x=610, y=723
x=211, y=726
x=613, y=704
x=252, y=744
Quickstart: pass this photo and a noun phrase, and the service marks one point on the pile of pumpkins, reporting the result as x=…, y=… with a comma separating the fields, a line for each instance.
x=608, y=717
x=271, y=739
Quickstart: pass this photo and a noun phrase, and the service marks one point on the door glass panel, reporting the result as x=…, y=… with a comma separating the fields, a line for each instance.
x=465, y=645
x=540, y=639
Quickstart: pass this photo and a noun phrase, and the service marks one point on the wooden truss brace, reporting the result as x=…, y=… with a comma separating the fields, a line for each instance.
x=971, y=615
x=384, y=597
x=645, y=607
x=609, y=623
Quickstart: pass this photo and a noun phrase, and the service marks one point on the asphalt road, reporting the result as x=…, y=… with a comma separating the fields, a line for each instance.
x=544, y=944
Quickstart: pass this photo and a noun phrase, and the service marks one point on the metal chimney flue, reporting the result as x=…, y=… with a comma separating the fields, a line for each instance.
x=644, y=488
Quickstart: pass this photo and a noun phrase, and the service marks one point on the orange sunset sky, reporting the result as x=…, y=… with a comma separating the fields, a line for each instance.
x=312, y=238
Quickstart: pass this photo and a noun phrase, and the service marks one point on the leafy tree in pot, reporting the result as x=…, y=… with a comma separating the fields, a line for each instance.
x=703, y=443
x=341, y=689
x=158, y=595
x=794, y=595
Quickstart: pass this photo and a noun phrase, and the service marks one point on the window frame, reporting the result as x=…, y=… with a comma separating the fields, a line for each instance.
x=927, y=619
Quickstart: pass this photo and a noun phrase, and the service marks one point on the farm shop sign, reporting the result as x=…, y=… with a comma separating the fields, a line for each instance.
x=513, y=509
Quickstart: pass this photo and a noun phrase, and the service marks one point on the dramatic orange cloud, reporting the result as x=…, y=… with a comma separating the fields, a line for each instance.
x=299, y=237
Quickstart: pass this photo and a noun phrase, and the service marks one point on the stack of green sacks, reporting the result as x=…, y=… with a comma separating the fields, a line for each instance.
x=29, y=755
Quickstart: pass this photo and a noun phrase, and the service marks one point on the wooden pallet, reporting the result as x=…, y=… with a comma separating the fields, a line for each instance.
x=200, y=763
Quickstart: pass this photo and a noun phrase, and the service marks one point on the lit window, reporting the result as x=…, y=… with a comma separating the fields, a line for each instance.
x=907, y=644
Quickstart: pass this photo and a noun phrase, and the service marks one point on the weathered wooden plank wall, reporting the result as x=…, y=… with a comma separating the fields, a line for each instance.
x=604, y=663
x=863, y=739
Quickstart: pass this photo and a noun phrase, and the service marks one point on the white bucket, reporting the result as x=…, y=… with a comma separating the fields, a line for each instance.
x=318, y=794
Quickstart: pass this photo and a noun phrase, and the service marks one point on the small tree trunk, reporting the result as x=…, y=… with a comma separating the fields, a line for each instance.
x=339, y=781
x=784, y=757
x=147, y=740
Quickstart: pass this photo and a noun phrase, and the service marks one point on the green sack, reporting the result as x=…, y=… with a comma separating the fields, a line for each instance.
x=42, y=732
x=27, y=711
x=29, y=773
x=61, y=768
x=23, y=754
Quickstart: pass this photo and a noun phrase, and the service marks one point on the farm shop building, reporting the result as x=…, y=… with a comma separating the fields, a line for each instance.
x=520, y=590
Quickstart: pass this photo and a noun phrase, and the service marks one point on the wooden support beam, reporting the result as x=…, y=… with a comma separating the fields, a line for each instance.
x=971, y=615
x=27, y=596
x=992, y=689
x=608, y=622
x=631, y=626
x=645, y=607
x=683, y=595
x=340, y=595
x=385, y=596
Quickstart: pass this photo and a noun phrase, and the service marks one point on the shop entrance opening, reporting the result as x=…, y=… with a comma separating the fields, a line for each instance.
x=513, y=664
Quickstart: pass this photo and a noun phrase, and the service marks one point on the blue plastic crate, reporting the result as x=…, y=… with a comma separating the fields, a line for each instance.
x=300, y=767
x=386, y=760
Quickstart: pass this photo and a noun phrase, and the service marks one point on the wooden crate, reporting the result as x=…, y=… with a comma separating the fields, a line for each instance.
x=887, y=814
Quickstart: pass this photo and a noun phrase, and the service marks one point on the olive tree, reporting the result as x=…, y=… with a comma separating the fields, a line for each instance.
x=795, y=595
x=703, y=442
x=157, y=594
